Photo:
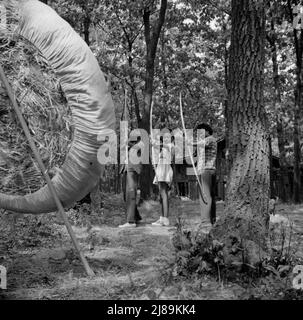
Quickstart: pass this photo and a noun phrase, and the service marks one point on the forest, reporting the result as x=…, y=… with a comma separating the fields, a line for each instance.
x=235, y=66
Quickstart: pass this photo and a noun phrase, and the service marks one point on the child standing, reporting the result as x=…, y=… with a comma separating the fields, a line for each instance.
x=207, y=172
x=132, y=172
x=164, y=176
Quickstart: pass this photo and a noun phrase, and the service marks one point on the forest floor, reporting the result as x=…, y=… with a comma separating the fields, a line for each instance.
x=136, y=263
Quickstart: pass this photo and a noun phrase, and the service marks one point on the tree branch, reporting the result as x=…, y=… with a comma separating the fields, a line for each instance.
x=213, y=4
x=157, y=29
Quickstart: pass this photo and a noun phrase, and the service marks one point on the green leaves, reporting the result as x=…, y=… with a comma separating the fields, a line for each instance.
x=190, y=54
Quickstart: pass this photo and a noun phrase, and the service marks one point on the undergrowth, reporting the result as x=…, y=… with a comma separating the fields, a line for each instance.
x=197, y=253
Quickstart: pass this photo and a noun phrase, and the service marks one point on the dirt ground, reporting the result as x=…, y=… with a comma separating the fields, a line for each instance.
x=129, y=264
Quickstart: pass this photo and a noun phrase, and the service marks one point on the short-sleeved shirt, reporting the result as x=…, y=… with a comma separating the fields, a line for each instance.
x=210, y=144
x=133, y=167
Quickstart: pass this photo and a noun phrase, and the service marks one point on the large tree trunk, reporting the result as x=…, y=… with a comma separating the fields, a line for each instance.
x=151, y=34
x=297, y=116
x=297, y=155
x=243, y=227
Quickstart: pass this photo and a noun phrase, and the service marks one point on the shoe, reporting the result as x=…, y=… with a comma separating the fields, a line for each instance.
x=165, y=222
x=158, y=223
x=206, y=224
x=162, y=222
x=127, y=225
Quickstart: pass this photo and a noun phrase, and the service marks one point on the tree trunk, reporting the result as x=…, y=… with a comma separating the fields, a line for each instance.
x=133, y=84
x=164, y=78
x=298, y=42
x=297, y=116
x=151, y=34
x=271, y=173
x=226, y=110
x=297, y=156
x=243, y=227
x=86, y=26
x=283, y=177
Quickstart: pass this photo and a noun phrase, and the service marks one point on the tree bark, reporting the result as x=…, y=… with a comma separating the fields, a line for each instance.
x=133, y=84
x=271, y=173
x=243, y=227
x=151, y=34
x=297, y=115
x=129, y=41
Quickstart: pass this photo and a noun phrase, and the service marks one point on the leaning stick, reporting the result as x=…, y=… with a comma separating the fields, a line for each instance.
x=9, y=90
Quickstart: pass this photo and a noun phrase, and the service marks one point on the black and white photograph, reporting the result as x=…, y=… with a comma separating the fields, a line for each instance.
x=151, y=153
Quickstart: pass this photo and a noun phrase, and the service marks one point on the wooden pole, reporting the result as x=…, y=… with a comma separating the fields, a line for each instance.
x=9, y=90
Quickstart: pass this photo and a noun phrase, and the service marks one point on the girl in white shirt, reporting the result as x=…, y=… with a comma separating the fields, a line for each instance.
x=164, y=176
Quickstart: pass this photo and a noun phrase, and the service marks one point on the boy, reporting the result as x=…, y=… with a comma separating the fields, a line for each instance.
x=132, y=172
x=207, y=171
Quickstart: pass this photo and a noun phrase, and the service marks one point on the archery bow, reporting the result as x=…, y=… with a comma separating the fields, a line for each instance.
x=151, y=134
x=190, y=154
x=125, y=118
